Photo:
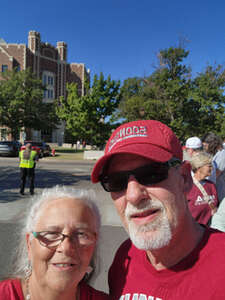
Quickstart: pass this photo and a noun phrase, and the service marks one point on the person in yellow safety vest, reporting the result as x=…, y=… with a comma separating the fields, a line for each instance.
x=28, y=158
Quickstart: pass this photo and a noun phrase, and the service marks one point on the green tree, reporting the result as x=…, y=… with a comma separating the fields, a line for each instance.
x=208, y=93
x=190, y=106
x=131, y=99
x=88, y=117
x=21, y=105
x=164, y=93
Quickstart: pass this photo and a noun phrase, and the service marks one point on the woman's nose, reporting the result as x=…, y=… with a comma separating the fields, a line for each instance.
x=68, y=245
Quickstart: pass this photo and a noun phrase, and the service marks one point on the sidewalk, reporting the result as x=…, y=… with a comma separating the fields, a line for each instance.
x=12, y=211
x=13, y=206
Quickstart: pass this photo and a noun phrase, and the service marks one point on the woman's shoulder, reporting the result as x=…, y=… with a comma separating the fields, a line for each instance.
x=87, y=292
x=209, y=183
x=11, y=289
x=9, y=282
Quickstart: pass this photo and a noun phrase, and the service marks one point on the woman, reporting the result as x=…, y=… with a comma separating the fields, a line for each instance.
x=57, y=248
x=202, y=198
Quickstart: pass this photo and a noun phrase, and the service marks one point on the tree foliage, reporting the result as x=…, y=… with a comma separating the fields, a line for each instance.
x=190, y=106
x=21, y=105
x=208, y=93
x=87, y=117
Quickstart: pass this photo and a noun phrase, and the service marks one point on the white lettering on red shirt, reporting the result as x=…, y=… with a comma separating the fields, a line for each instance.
x=137, y=296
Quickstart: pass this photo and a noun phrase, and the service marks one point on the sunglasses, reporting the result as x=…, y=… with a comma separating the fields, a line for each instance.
x=146, y=175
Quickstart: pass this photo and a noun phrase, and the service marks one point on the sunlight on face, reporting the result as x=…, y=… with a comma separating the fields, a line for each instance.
x=66, y=265
x=151, y=214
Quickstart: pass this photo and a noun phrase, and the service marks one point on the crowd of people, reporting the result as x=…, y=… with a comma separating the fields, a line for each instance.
x=207, y=159
x=170, y=201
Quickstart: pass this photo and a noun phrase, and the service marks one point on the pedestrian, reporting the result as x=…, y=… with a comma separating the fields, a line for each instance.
x=53, y=152
x=193, y=146
x=28, y=158
x=56, y=251
x=218, y=219
x=169, y=256
x=213, y=144
x=202, y=198
x=78, y=145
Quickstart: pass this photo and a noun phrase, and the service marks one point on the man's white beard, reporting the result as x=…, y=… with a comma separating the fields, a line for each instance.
x=154, y=235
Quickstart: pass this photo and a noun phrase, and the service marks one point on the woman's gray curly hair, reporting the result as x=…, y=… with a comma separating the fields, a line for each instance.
x=34, y=210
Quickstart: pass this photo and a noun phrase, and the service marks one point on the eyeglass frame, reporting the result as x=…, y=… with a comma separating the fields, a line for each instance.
x=38, y=234
x=173, y=162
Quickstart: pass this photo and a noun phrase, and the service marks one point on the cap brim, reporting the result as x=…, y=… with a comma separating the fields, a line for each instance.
x=151, y=152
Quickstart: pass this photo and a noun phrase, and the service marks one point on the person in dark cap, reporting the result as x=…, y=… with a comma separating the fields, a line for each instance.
x=168, y=255
x=28, y=158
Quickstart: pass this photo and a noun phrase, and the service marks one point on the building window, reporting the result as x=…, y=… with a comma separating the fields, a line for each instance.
x=46, y=135
x=49, y=83
x=3, y=134
x=45, y=79
x=45, y=94
x=50, y=80
x=49, y=94
x=4, y=68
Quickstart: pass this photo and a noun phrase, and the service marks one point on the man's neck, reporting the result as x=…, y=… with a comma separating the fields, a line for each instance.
x=179, y=248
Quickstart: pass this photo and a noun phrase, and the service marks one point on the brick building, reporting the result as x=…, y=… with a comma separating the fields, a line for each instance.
x=50, y=64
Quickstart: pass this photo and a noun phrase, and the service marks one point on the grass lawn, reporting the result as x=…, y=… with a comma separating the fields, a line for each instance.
x=68, y=154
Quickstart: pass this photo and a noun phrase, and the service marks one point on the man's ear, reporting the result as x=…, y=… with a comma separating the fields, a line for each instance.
x=186, y=173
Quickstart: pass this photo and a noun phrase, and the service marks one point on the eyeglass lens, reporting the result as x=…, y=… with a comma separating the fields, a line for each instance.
x=146, y=175
x=53, y=239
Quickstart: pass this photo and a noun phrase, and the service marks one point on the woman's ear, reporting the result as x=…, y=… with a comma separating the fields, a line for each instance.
x=186, y=173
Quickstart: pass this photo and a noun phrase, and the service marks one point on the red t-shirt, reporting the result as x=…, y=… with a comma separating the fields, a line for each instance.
x=199, y=208
x=11, y=290
x=199, y=276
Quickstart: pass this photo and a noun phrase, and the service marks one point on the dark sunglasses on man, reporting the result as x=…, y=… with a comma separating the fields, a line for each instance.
x=146, y=175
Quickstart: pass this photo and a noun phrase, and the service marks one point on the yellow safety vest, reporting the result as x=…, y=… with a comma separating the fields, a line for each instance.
x=27, y=163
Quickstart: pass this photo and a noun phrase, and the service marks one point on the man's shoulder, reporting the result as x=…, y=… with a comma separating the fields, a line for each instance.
x=216, y=238
x=219, y=156
x=126, y=251
x=125, y=246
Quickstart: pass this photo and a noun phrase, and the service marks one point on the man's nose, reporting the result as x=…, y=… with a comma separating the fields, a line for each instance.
x=135, y=191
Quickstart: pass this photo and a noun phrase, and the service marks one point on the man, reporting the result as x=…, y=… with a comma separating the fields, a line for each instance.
x=193, y=146
x=28, y=158
x=169, y=255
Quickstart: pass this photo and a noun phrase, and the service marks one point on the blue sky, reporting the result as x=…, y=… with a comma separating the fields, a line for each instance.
x=121, y=37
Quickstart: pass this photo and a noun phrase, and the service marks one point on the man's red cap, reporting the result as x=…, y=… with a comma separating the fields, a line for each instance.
x=148, y=138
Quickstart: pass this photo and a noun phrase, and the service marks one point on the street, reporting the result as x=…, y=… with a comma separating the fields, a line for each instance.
x=50, y=172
